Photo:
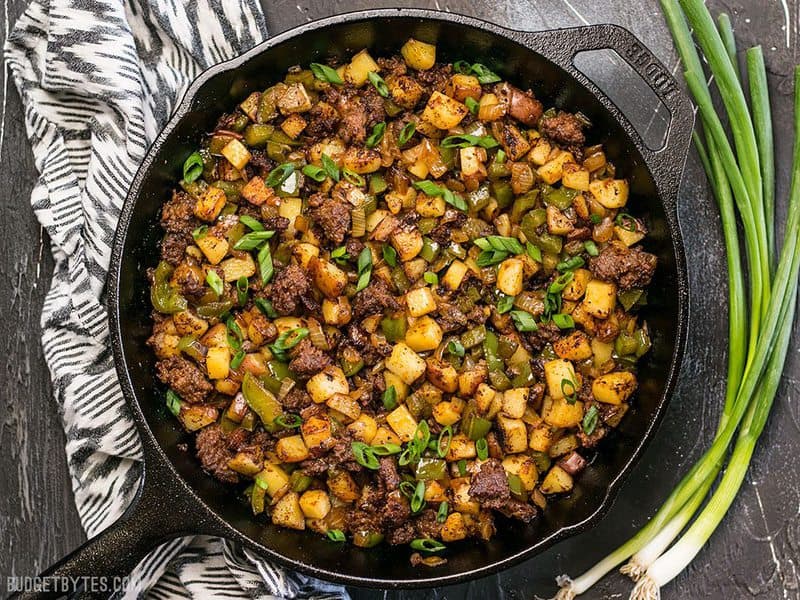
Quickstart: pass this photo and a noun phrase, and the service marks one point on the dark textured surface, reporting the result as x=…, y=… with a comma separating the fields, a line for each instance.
x=754, y=553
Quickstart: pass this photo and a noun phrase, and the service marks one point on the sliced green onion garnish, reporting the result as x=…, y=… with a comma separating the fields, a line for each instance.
x=279, y=174
x=379, y=84
x=456, y=348
x=250, y=222
x=377, y=135
x=441, y=514
x=252, y=240
x=444, y=441
x=200, y=232
x=523, y=321
x=314, y=172
x=427, y=545
x=465, y=140
x=591, y=248
x=325, y=73
x=406, y=133
x=390, y=255
x=193, y=167
x=330, y=167
x=482, y=449
x=237, y=359
x=570, y=390
x=563, y=321
x=472, y=105
x=390, y=398
x=418, y=498
x=364, y=455
x=353, y=177
x=289, y=421
x=364, y=269
x=173, y=402
x=214, y=281
x=570, y=264
x=265, y=263
x=265, y=306
x=589, y=422
x=336, y=535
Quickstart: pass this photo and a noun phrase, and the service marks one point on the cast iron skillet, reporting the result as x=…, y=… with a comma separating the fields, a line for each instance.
x=178, y=498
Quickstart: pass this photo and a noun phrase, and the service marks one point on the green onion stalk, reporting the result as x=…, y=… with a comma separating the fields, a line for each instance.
x=755, y=366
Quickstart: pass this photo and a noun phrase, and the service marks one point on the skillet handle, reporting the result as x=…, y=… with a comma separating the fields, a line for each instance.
x=160, y=511
x=665, y=163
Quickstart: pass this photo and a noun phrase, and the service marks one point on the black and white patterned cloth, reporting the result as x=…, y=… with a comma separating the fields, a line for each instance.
x=98, y=79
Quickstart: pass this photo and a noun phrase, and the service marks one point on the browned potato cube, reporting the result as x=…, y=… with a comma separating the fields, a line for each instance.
x=462, y=87
x=294, y=125
x=256, y=192
x=210, y=204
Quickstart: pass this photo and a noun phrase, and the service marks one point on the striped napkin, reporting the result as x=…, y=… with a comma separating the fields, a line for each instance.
x=98, y=80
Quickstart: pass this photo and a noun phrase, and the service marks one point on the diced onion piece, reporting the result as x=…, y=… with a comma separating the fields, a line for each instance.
x=287, y=384
x=359, y=222
x=316, y=335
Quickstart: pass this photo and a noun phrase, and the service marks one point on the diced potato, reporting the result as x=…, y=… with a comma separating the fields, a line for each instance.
x=274, y=480
x=610, y=193
x=576, y=288
x=420, y=302
x=523, y=467
x=442, y=374
x=342, y=486
x=384, y=435
x=400, y=386
x=315, y=504
x=304, y=252
x=462, y=501
x=291, y=449
x=405, y=90
x=360, y=66
x=425, y=334
x=405, y=363
x=469, y=380
x=472, y=159
x=484, y=397
x=402, y=423
x=329, y=278
x=246, y=463
x=614, y=388
x=558, y=372
x=574, y=347
x=418, y=55
x=430, y=206
x=188, y=323
x=600, y=298
x=540, y=152
x=629, y=238
x=337, y=311
x=234, y=268
x=216, y=336
x=443, y=112
x=574, y=177
x=462, y=87
x=284, y=324
x=236, y=153
x=210, y=204
x=448, y=412
x=558, y=223
x=557, y=481
x=435, y=492
x=218, y=362
x=509, y=276
x=287, y=512
x=364, y=428
x=294, y=125
x=461, y=447
x=361, y=160
x=407, y=243
x=515, y=401
x=455, y=275
x=454, y=528
x=560, y=413
x=256, y=191
x=326, y=383
x=290, y=208
x=513, y=434
x=213, y=247
x=552, y=170
x=564, y=445
x=315, y=431
x=196, y=416
x=345, y=405
x=250, y=105
x=541, y=438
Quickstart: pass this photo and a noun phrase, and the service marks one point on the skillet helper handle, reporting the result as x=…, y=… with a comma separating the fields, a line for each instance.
x=665, y=162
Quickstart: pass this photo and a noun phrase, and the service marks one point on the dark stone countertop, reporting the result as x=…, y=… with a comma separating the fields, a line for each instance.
x=756, y=551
